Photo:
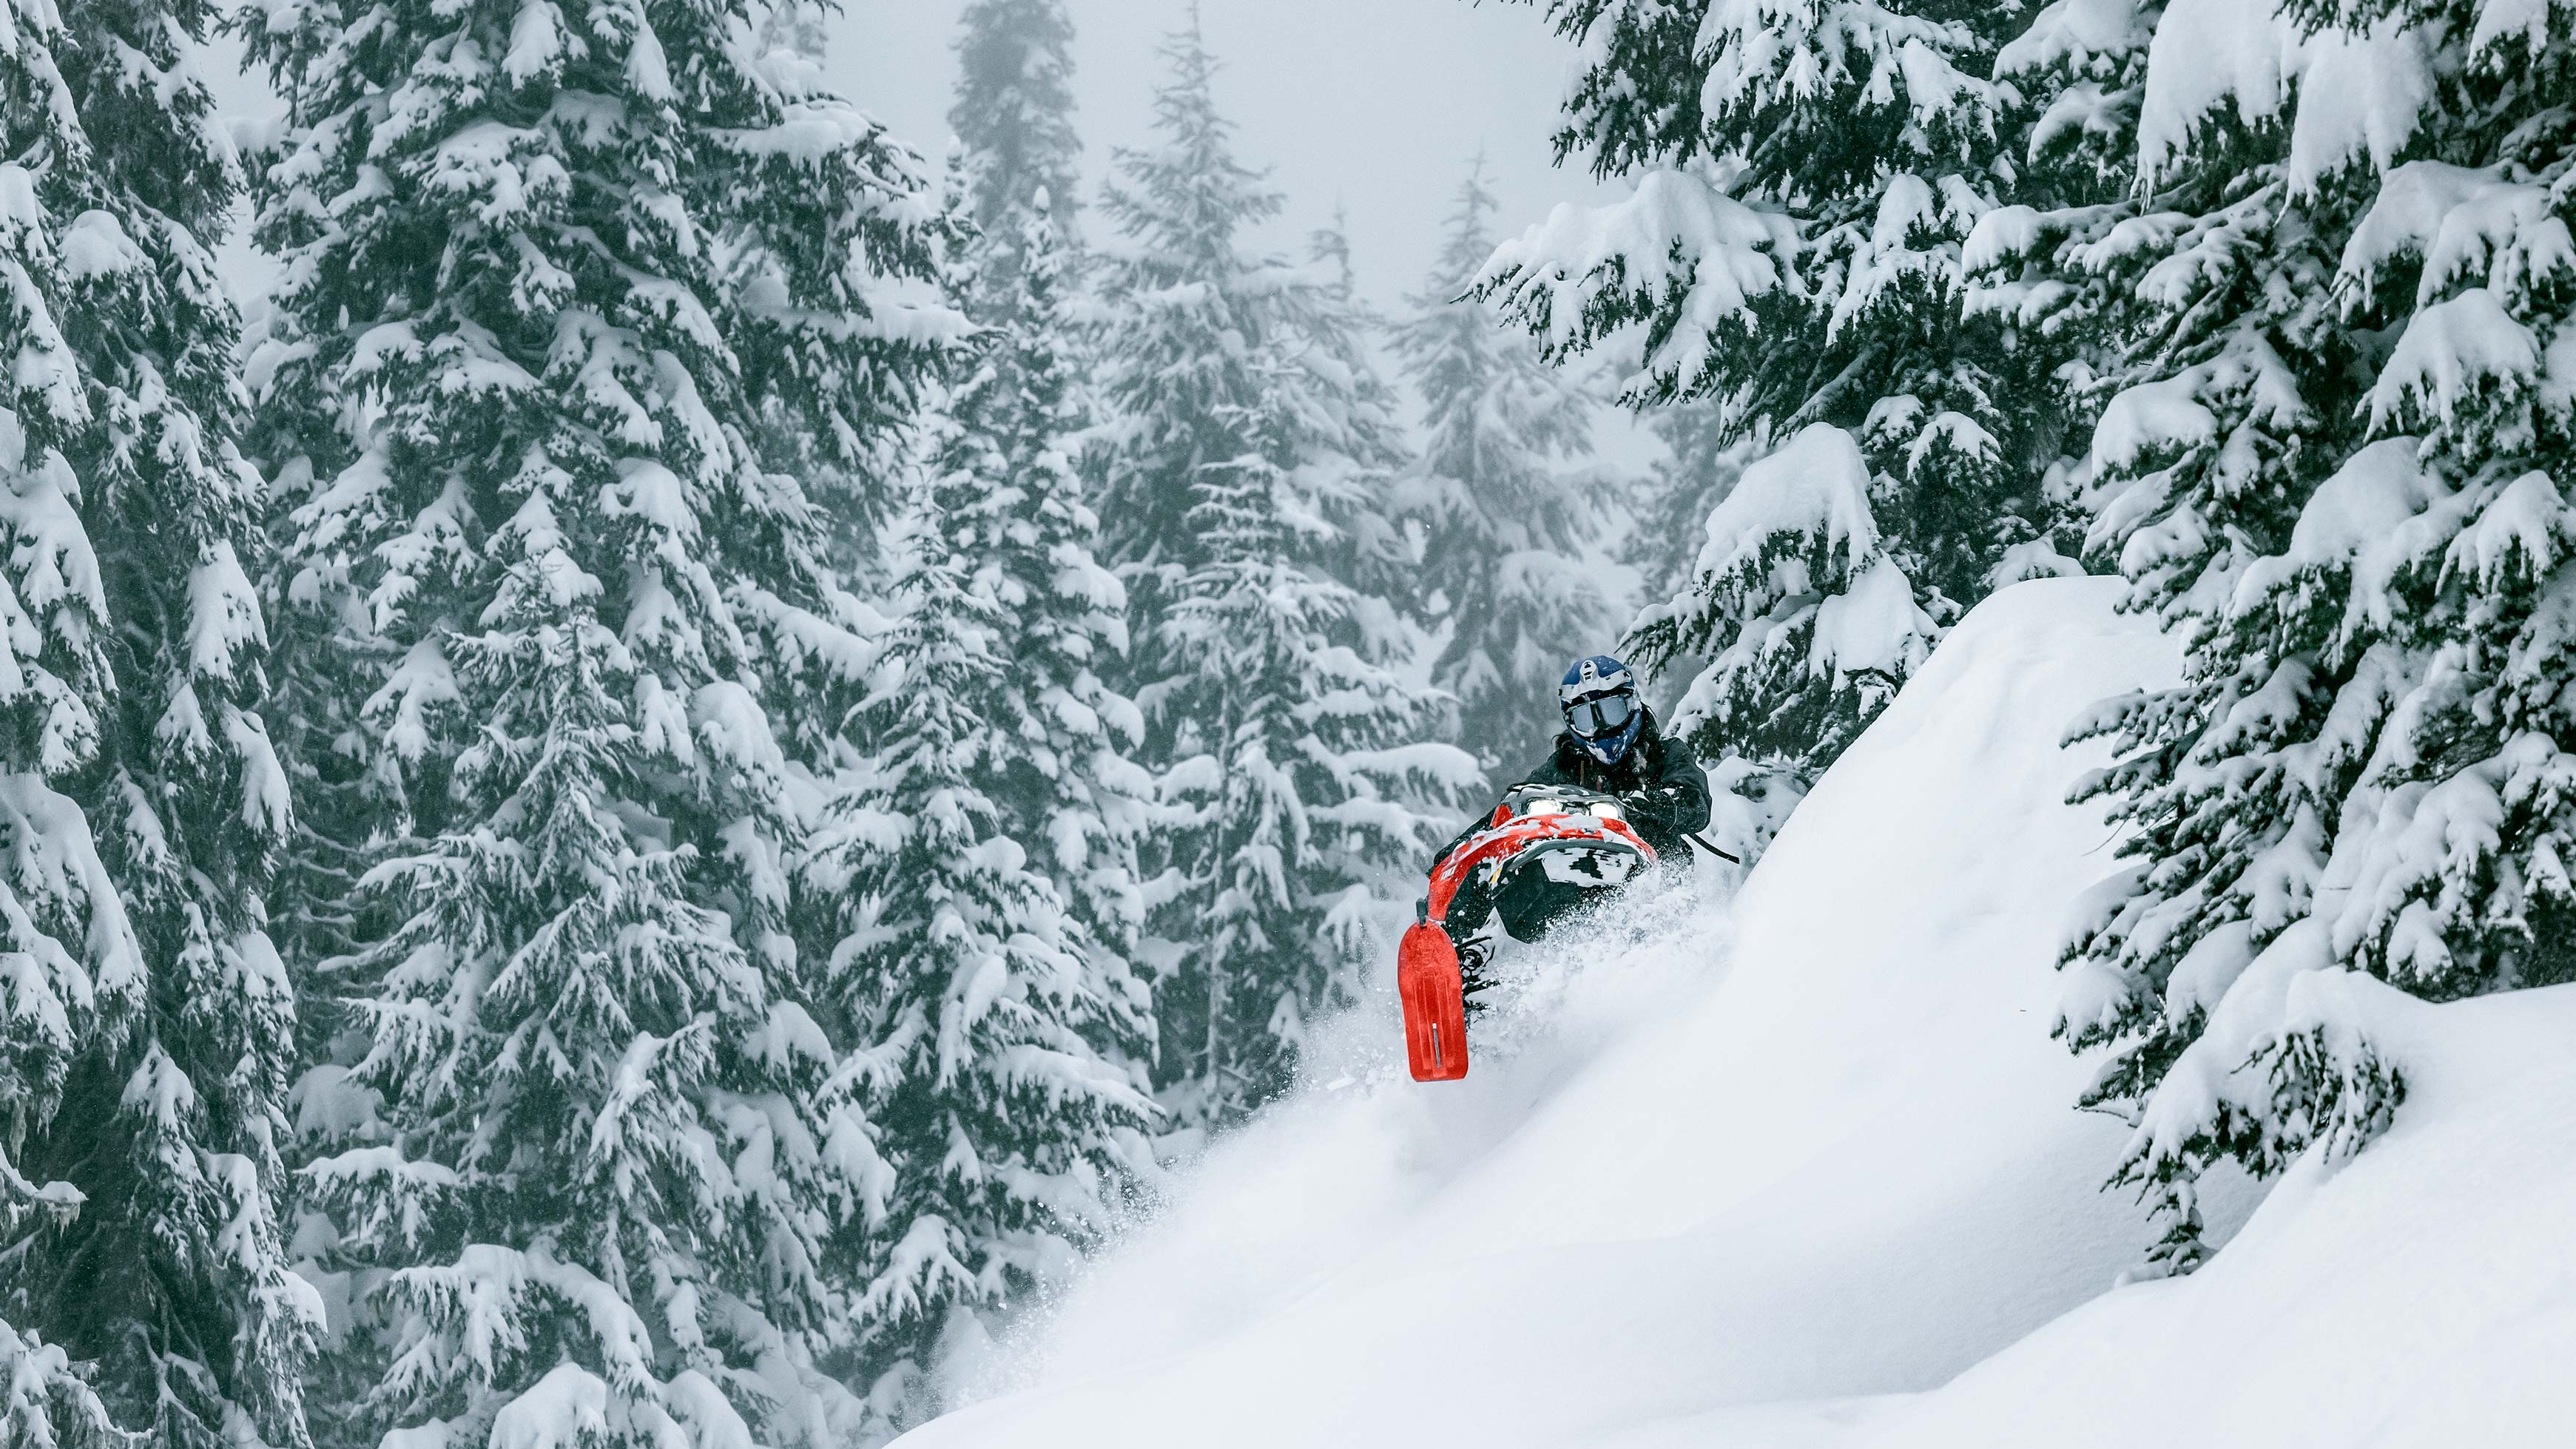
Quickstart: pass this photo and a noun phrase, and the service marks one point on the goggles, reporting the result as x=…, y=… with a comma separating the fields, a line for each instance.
x=1601, y=714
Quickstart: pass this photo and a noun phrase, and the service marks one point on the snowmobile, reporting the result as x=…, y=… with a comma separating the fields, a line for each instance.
x=1548, y=852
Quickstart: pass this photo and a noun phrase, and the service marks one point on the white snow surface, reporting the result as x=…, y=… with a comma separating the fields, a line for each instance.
x=1800, y=1170
x=1735, y=1173
x=2417, y=1296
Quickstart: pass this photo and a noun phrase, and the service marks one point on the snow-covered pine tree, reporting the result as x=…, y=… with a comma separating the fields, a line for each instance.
x=1289, y=755
x=1025, y=417
x=800, y=28
x=2345, y=395
x=1509, y=514
x=151, y=1027
x=1173, y=296
x=981, y=853
x=1198, y=327
x=1703, y=456
x=1803, y=176
x=563, y=289
x=1014, y=118
x=1352, y=450
x=1248, y=439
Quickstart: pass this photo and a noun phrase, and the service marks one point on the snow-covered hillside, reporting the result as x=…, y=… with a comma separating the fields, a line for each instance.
x=1812, y=1148
x=1801, y=1172
x=2421, y=1294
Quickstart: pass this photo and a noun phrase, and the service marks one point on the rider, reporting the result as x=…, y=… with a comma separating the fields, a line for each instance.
x=1611, y=747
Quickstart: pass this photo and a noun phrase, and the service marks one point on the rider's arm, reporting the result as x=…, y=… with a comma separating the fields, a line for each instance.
x=1676, y=805
x=1690, y=782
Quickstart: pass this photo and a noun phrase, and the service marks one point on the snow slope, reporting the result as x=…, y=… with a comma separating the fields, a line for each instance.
x=2421, y=1294
x=1716, y=1184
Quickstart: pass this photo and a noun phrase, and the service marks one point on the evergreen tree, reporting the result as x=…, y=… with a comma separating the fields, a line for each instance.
x=1509, y=516
x=1245, y=491
x=44, y=1402
x=1353, y=454
x=1288, y=758
x=799, y=28
x=1199, y=329
x=1025, y=419
x=1014, y=118
x=1077, y=786
x=2340, y=294
x=1353, y=451
x=151, y=1024
x=1705, y=453
x=981, y=855
x=1804, y=176
x=1172, y=297
x=564, y=293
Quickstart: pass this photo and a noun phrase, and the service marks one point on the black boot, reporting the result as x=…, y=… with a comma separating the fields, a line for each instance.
x=1473, y=953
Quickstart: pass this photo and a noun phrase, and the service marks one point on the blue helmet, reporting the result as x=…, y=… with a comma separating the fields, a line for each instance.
x=1599, y=697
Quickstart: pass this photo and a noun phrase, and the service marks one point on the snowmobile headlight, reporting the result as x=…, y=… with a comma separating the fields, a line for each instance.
x=1608, y=810
x=1544, y=807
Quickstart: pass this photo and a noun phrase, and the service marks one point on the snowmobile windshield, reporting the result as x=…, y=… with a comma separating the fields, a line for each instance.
x=1602, y=714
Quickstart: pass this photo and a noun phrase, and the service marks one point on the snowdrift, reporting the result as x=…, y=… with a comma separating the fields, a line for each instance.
x=2420, y=1294
x=1724, y=1179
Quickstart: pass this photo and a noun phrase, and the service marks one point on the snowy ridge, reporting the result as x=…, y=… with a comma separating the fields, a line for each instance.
x=1813, y=1151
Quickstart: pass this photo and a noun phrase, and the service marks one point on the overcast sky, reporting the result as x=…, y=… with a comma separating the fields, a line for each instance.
x=1373, y=105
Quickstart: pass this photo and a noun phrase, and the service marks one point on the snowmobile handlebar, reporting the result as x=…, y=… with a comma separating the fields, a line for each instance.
x=1704, y=843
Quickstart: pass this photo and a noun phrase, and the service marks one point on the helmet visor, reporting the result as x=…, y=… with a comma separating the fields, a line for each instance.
x=1602, y=714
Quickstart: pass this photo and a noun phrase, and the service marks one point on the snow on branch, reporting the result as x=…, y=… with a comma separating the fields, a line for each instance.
x=2355, y=94
x=2457, y=222
x=2452, y=352
x=2368, y=519
x=1668, y=268
x=1761, y=51
x=1815, y=487
x=2074, y=33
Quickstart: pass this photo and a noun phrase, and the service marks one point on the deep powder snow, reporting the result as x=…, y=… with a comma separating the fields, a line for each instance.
x=1802, y=1169
x=1812, y=1145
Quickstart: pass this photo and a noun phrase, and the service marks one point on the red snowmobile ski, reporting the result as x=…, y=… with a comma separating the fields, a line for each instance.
x=1547, y=849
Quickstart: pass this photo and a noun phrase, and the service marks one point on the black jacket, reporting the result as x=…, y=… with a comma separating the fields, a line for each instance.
x=1658, y=781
